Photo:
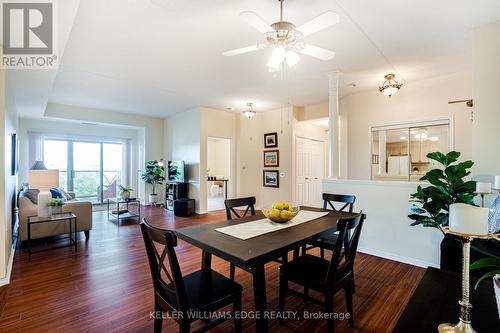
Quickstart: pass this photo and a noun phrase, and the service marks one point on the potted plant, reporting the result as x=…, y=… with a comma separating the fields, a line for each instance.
x=125, y=192
x=447, y=186
x=154, y=175
x=493, y=263
x=55, y=206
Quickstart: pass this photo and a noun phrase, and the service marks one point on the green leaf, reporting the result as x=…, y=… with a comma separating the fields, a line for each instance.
x=485, y=276
x=486, y=262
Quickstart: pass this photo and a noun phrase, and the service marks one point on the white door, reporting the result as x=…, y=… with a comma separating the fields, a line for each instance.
x=310, y=170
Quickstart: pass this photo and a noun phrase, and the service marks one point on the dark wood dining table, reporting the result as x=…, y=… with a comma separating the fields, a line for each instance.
x=252, y=254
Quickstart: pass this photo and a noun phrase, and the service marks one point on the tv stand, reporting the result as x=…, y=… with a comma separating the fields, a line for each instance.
x=175, y=191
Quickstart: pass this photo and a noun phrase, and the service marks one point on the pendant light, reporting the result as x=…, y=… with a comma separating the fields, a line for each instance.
x=390, y=86
x=249, y=112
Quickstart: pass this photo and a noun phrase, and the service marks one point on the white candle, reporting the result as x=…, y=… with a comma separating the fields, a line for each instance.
x=497, y=183
x=483, y=188
x=468, y=219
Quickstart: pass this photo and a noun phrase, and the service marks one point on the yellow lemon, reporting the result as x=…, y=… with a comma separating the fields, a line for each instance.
x=286, y=206
x=274, y=214
x=278, y=205
x=285, y=215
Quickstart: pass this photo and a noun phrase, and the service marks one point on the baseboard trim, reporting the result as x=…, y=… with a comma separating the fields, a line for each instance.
x=396, y=257
x=6, y=280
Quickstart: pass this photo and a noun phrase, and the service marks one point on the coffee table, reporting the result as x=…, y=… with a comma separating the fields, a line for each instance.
x=125, y=213
x=55, y=218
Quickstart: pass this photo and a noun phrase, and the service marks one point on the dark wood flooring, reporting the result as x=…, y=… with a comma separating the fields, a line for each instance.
x=107, y=286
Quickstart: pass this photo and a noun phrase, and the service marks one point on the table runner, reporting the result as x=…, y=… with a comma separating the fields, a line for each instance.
x=263, y=226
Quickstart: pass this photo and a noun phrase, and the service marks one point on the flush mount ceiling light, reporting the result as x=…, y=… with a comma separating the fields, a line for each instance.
x=390, y=86
x=286, y=38
x=249, y=112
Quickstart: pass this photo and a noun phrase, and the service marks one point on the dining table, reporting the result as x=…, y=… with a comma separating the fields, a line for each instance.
x=252, y=254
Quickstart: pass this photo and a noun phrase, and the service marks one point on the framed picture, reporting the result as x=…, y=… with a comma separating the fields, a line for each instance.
x=271, y=140
x=271, y=178
x=271, y=158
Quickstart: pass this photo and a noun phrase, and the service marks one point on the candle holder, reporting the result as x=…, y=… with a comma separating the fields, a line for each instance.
x=464, y=324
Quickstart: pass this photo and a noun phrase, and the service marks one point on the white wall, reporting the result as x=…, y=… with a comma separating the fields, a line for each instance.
x=387, y=232
x=416, y=101
x=182, y=142
x=8, y=183
x=150, y=129
x=486, y=72
x=251, y=148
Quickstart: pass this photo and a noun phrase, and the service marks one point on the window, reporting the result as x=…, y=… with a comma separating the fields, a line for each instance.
x=93, y=170
x=400, y=152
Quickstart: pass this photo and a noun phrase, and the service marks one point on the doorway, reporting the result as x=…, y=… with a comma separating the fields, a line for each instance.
x=218, y=171
x=310, y=170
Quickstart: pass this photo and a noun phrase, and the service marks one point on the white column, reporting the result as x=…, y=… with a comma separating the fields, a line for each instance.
x=333, y=113
x=382, y=152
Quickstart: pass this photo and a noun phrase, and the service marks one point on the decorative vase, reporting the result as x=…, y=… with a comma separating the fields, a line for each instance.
x=153, y=198
x=125, y=195
x=496, y=285
x=54, y=210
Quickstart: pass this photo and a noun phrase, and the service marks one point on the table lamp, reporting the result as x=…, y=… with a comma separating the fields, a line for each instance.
x=496, y=183
x=466, y=222
x=43, y=180
x=483, y=189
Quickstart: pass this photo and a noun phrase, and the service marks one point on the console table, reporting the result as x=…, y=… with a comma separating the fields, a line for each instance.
x=70, y=218
x=126, y=213
x=435, y=301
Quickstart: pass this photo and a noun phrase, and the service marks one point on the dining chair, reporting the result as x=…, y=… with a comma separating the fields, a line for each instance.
x=326, y=276
x=337, y=203
x=231, y=204
x=196, y=293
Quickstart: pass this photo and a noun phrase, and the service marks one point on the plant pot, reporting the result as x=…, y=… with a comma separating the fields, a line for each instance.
x=125, y=195
x=496, y=285
x=54, y=210
x=153, y=198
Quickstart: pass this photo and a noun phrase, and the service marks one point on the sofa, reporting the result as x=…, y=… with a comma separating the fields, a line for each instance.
x=28, y=207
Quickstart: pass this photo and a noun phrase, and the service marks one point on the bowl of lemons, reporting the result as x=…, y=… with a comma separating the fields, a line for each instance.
x=280, y=212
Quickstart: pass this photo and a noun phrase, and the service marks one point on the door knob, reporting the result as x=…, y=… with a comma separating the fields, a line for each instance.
x=306, y=178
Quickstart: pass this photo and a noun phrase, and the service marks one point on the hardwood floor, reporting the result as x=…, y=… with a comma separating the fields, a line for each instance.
x=107, y=286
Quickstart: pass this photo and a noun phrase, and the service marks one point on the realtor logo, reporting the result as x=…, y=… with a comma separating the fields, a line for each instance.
x=28, y=34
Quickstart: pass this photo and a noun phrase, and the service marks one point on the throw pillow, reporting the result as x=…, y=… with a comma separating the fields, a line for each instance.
x=65, y=194
x=57, y=194
x=32, y=194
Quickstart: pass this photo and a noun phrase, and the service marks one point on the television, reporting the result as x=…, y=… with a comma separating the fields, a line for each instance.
x=176, y=171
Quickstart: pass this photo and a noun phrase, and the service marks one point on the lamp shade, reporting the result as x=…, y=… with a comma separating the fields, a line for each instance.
x=43, y=179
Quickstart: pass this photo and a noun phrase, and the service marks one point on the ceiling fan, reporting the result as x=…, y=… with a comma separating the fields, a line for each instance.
x=287, y=39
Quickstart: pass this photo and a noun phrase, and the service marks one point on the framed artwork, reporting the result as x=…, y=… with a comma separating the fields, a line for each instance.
x=271, y=158
x=271, y=140
x=271, y=178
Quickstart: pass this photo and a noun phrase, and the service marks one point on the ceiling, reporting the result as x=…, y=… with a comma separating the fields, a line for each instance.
x=158, y=57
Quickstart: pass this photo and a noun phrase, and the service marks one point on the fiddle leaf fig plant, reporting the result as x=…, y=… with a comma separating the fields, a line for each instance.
x=447, y=186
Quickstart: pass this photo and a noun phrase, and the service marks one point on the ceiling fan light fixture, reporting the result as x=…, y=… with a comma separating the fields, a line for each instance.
x=292, y=58
x=390, y=86
x=277, y=57
x=249, y=112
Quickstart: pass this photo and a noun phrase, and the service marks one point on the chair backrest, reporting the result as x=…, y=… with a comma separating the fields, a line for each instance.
x=347, y=200
x=231, y=204
x=344, y=253
x=167, y=277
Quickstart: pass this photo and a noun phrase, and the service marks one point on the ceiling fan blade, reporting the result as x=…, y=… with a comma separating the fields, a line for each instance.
x=242, y=50
x=317, y=52
x=256, y=21
x=319, y=23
